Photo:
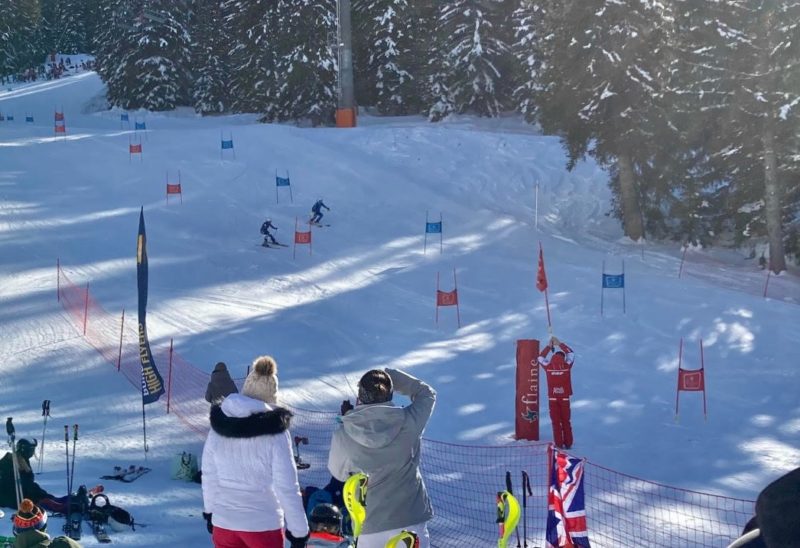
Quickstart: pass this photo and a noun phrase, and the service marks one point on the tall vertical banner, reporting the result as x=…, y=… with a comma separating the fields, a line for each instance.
x=526, y=422
x=152, y=383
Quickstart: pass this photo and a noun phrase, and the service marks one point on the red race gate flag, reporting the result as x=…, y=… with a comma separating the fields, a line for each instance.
x=541, y=277
x=526, y=412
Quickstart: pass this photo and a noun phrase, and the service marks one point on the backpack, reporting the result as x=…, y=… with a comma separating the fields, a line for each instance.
x=184, y=466
x=117, y=518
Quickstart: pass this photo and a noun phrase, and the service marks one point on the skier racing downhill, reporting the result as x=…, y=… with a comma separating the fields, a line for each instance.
x=316, y=212
x=268, y=237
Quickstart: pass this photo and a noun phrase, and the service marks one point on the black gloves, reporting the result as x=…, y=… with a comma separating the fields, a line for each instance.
x=209, y=526
x=295, y=542
x=346, y=406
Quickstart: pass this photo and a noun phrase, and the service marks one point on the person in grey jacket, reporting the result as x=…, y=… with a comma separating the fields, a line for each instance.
x=221, y=385
x=382, y=440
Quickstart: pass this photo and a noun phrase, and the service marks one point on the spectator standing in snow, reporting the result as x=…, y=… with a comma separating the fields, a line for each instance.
x=262, y=381
x=221, y=384
x=382, y=440
x=316, y=211
x=558, y=369
x=250, y=487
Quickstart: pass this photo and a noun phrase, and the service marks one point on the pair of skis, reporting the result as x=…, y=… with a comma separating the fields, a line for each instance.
x=127, y=475
x=74, y=519
x=508, y=512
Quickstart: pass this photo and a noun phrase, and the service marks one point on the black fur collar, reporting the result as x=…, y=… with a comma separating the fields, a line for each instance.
x=260, y=424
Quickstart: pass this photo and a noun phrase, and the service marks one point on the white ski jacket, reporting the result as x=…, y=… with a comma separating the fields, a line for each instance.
x=249, y=477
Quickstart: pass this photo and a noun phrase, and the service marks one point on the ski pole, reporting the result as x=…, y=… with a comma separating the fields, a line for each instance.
x=46, y=415
x=14, y=462
x=72, y=468
x=67, y=524
x=511, y=492
x=526, y=492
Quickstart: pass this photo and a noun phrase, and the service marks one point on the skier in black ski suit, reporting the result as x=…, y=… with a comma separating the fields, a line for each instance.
x=316, y=211
x=268, y=237
x=30, y=489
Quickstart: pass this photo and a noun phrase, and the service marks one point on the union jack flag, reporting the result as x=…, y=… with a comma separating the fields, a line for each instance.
x=566, y=513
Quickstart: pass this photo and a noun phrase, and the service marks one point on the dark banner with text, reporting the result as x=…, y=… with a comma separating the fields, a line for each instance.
x=152, y=383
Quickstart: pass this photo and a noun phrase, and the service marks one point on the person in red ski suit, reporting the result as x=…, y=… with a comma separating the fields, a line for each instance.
x=558, y=369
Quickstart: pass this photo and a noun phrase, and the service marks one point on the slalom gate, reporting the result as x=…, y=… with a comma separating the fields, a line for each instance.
x=462, y=479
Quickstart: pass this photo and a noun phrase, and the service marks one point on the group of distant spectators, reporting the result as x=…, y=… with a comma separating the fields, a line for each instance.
x=52, y=70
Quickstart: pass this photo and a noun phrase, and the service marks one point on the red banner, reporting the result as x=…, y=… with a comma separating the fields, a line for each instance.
x=526, y=423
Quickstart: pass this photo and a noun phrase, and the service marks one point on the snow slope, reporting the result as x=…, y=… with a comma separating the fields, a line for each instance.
x=365, y=297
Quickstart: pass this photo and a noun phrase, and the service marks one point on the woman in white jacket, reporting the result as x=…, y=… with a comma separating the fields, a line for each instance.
x=250, y=487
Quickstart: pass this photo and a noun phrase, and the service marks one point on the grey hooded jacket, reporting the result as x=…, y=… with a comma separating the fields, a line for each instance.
x=383, y=441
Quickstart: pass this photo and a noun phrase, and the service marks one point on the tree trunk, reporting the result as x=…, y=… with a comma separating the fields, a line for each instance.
x=631, y=213
x=773, y=196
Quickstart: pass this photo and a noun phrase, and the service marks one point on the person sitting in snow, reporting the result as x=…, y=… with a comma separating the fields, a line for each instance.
x=30, y=489
x=316, y=212
x=268, y=237
x=559, y=389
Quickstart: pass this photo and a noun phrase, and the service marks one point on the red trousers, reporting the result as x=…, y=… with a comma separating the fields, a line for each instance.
x=225, y=538
x=562, y=428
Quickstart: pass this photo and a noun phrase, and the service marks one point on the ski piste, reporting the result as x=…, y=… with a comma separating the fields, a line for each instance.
x=127, y=475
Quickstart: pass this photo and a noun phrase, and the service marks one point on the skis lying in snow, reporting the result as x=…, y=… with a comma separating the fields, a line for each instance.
x=100, y=532
x=128, y=474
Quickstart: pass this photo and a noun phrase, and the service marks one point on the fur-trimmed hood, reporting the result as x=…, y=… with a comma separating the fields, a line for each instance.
x=241, y=417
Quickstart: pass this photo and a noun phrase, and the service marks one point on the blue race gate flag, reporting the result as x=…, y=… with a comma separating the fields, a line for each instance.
x=139, y=125
x=613, y=281
x=433, y=228
x=281, y=181
x=152, y=383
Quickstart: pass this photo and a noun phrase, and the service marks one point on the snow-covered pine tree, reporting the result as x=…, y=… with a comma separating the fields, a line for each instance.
x=63, y=26
x=162, y=59
x=384, y=36
x=601, y=86
x=306, y=61
x=210, y=93
x=248, y=26
x=19, y=49
x=741, y=65
x=475, y=54
x=524, y=48
x=144, y=55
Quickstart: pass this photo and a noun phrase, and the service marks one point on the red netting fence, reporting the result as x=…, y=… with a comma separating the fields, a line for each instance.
x=462, y=480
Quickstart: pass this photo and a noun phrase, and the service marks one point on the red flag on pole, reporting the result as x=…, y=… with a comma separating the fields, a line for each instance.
x=541, y=277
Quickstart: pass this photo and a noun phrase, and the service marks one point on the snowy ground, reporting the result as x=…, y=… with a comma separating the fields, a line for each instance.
x=365, y=297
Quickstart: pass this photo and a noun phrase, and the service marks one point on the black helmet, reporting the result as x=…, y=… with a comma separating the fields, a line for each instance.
x=26, y=448
x=325, y=517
